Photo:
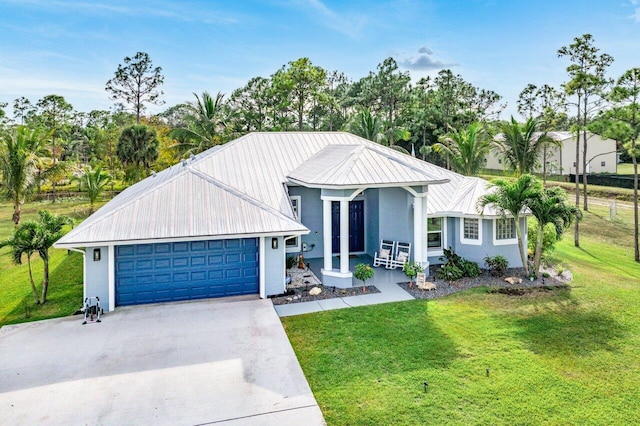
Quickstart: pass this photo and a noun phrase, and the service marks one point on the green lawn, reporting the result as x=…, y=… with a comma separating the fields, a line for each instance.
x=65, y=287
x=561, y=357
x=625, y=168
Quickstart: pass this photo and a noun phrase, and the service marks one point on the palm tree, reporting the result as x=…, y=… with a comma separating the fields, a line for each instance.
x=521, y=145
x=205, y=125
x=137, y=149
x=511, y=198
x=20, y=152
x=466, y=148
x=94, y=182
x=49, y=229
x=24, y=242
x=368, y=126
x=551, y=206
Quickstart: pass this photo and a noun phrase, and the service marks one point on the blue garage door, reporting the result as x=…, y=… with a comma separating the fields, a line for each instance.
x=151, y=273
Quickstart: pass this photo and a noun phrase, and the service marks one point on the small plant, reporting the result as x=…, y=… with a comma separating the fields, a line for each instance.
x=363, y=272
x=470, y=269
x=449, y=272
x=497, y=265
x=291, y=261
x=411, y=270
x=456, y=267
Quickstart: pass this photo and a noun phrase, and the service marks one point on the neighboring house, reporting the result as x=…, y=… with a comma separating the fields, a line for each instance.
x=601, y=155
x=223, y=222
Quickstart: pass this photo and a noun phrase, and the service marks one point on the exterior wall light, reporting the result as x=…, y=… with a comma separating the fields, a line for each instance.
x=274, y=243
x=96, y=255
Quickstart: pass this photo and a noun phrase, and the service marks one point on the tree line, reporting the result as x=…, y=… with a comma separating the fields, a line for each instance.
x=442, y=119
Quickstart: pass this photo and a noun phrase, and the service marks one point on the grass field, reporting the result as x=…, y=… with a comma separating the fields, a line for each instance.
x=625, y=169
x=559, y=357
x=65, y=288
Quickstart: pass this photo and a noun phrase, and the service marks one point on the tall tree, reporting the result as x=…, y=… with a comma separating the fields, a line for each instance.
x=302, y=84
x=137, y=82
x=548, y=106
x=511, y=198
x=54, y=114
x=467, y=148
x=251, y=104
x=520, y=145
x=587, y=83
x=204, y=124
x=137, y=149
x=367, y=125
x=20, y=151
x=21, y=109
x=550, y=205
x=625, y=127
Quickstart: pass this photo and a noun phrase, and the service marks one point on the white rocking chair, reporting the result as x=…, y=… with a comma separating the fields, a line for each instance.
x=383, y=257
x=401, y=256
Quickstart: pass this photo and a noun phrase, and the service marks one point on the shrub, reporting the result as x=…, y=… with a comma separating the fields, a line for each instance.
x=456, y=267
x=470, y=269
x=497, y=265
x=290, y=262
x=549, y=237
x=449, y=272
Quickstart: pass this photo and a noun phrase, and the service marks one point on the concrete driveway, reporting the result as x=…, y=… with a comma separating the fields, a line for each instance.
x=206, y=362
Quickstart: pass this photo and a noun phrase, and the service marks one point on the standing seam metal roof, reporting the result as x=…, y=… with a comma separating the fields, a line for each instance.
x=239, y=188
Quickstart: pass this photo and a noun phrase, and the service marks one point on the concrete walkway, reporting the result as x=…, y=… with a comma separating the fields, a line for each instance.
x=384, y=280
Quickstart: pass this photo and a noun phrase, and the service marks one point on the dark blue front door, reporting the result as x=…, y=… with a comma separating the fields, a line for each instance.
x=356, y=226
x=163, y=272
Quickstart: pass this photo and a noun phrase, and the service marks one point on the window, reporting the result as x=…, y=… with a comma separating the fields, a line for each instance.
x=499, y=160
x=603, y=163
x=434, y=233
x=504, y=231
x=471, y=231
x=293, y=244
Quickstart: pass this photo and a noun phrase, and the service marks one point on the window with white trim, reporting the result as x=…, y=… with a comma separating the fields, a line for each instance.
x=435, y=233
x=471, y=231
x=293, y=244
x=504, y=231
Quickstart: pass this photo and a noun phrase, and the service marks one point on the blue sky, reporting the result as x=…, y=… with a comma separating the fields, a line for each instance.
x=72, y=47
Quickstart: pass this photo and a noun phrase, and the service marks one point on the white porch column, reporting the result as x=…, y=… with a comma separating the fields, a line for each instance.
x=344, y=236
x=418, y=230
x=326, y=234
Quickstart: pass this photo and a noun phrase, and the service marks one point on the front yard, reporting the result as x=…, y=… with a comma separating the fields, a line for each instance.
x=559, y=357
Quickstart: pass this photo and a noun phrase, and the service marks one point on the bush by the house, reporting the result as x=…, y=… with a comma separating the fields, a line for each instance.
x=456, y=267
x=290, y=262
x=549, y=237
x=497, y=265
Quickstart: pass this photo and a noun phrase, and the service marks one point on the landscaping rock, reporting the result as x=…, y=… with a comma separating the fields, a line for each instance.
x=566, y=275
x=315, y=291
x=513, y=280
x=427, y=286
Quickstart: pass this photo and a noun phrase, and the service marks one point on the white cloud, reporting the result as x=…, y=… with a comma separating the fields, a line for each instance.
x=349, y=25
x=424, y=60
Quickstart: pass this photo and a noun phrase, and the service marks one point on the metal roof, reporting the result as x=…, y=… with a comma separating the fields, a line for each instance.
x=240, y=188
x=360, y=165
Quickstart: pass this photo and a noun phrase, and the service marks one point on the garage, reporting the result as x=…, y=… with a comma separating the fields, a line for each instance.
x=164, y=272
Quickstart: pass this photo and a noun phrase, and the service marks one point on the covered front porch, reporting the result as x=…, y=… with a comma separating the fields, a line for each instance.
x=381, y=275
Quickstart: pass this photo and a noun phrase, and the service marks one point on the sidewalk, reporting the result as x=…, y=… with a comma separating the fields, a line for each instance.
x=389, y=292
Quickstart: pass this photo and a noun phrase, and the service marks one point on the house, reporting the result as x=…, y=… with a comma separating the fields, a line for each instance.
x=601, y=155
x=223, y=222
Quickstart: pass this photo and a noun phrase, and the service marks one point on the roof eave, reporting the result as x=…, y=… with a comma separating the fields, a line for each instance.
x=364, y=185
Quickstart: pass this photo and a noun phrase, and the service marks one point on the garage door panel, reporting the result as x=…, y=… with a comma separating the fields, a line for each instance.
x=150, y=273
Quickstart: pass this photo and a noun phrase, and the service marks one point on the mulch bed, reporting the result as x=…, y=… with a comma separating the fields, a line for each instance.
x=301, y=294
x=444, y=288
